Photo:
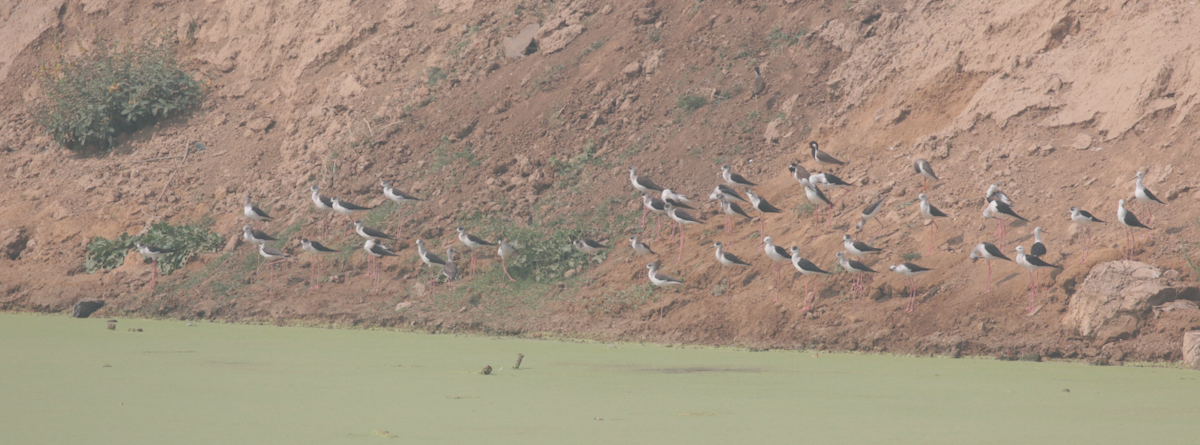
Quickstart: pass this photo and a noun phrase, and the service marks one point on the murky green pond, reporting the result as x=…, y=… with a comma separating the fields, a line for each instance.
x=73, y=381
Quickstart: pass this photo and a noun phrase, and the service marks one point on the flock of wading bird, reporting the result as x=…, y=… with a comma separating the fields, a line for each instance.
x=997, y=205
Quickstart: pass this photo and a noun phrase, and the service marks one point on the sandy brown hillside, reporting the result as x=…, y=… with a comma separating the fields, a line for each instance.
x=1060, y=103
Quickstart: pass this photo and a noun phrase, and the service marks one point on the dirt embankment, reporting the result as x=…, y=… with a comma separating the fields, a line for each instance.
x=1058, y=103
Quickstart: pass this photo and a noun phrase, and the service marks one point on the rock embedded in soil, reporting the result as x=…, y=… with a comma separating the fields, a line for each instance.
x=1191, y=350
x=86, y=307
x=1116, y=299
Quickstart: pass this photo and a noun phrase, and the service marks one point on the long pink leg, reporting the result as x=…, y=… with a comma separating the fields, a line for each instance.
x=776, y=283
x=154, y=277
x=728, y=223
x=589, y=275
x=762, y=228
x=312, y=283
x=1128, y=246
x=505, y=265
x=989, y=279
x=432, y=283
x=378, y=270
x=1032, y=293
x=1087, y=244
x=931, y=232
x=271, y=280
x=912, y=299
x=644, y=210
x=807, y=304
x=258, y=269
x=680, y=244
x=658, y=218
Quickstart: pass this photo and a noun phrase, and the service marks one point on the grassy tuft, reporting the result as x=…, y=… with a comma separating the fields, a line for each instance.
x=691, y=102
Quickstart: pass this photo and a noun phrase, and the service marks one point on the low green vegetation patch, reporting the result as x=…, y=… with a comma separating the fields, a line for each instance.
x=112, y=89
x=691, y=102
x=185, y=241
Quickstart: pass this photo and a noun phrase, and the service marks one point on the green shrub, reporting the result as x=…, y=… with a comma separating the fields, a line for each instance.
x=185, y=241
x=546, y=254
x=112, y=89
x=691, y=102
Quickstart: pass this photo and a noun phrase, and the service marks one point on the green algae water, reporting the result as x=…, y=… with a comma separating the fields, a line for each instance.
x=66, y=381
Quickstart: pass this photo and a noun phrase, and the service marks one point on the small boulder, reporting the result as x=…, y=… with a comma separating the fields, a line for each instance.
x=86, y=307
x=633, y=69
x=1115, y=299
x=1191, y=350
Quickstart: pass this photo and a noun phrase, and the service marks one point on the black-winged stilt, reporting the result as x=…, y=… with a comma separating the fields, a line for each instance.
x=910, y=271
x=854, y=268
x=660, y=280
x=998, y=209
x=1130, y=221
x=347, y=209
x=505, y=250
x=255, y=236
x=370, y=233
x=808, y=269
x=763, y=208
x=472, y=242
x=254, y=213
x=429, y=258
x=858, y=248
x=988, y=252
x=728, y=260
x=778, y=255
x=676, y=199
x=270, y=253
x=589, y=247
x=923, y=168
x=730, y=209
x=450, y=270
x=733, y=179
x=1084, y=220
x=727, y=192
x=1037, y=249
x=928, y=211
x=1032, y=263
x=640, y=248
x=153, y=253
x=681, y=218
x=655, y=206
x=324, y=205
x=317, y=249
x=869, y=212
x=994, y=194
x=1145, y=197
x=376, y=251
x=397, y=197
x=642, y=184
x=831, y=182
x=817, y=198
